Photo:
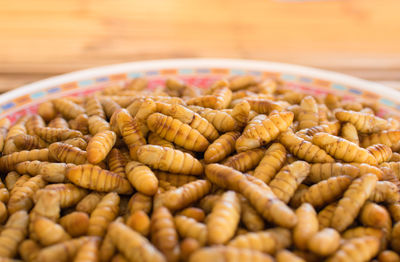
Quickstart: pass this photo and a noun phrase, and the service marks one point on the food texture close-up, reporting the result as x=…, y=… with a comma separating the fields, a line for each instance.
x=246, y=169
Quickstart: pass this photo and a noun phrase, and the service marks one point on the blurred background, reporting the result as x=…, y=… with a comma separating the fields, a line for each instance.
x=43, y=38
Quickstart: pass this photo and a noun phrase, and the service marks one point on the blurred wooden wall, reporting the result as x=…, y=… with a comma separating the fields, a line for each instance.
x=42, y=38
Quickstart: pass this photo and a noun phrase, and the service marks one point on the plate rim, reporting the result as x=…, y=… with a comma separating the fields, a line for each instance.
x=245, y=64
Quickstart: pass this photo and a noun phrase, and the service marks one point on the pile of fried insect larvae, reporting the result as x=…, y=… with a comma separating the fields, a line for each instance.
x=244, y=170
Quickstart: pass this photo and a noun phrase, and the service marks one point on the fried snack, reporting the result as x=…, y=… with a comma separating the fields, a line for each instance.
x=69, y=194
x=325, y=242
x=117, y=161
x=388, y=256
x=221, y=147
x=219, y=99
x=140, y=222
x=357, y=249
x=32, y=122
x=94, y=178
x=223, y=219
x=88, y=251
x=3, y=212
x=263, y=106
x=228, y=254
x=319, y=172
x=105, y=212
x=14, y=180
x=269, y=241
x=109, y=106
x=246, y=160
x=8, y=162
x=62, y=252
x=154, y=139
x=262, y=129
x=394, y=210
x=80, y=123
x=241, y=82
x=76, y=223
x=249, y=216
x=330, y=128
x=382, y=153
x=168, y=159
x=342, y=149
x=262, y=199
x=174, y=179
x=353, y=199
x=97, y=124
x=221, y=120
x=29, y=167
x=28, y=142
x=325, y=215
x=58, y=122
x=363, y=122
x=48, y=232
x=142, y=178
x=241, y=112
x=67, y=108
x=308, y=115
x=93, y=107
x=133, y=245
x=306, y=227
x=22, y=197
x=303, y=149
x=395, y=242
x=385, y=191
x=13, y=233
x=51, y=135
x=17, y=129
x=389, y=138
x=29, y=250
x=374, y=215
x=296, y=200
x=286, y=255
x=183, y=196
x=349, y=132
x=164, y=235
x=175, y=131
x=326, y=191
x=89, y=202
x=77, y=142
x=189, y=227
x=140, y=202
x=47, y=111
x=288, y=179
x=100, y=145
x=187, y=247
x=193, y=212
x=67, y=154
x=271, y=163
x=5, y=124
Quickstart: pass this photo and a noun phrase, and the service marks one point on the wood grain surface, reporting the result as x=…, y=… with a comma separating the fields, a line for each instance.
x=42, y=38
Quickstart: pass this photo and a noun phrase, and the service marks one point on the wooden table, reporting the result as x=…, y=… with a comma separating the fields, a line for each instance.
x=43, y=38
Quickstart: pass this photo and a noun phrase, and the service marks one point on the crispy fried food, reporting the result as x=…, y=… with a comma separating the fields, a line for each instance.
x=105, y=212
x=221, y=147
x=342, y=149
x=325, y=242
x=363, y=122
x=170, y=160
x=246, y=160
x=228, y=254
x=353, y=199
x=306, y=227
x=94, y=178
x=175, y=131
x=142, y=178
x=357, y=249
x=76, y=223
x=288, y=179
x=262, y=129
x=263, y=200
x=303, y=149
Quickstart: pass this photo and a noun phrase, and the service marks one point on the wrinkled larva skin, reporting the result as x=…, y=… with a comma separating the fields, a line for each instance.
x=248, y=169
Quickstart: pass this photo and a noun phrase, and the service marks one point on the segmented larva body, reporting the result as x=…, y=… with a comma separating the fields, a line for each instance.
x=246, y=160
x=389, y=138
x=95, y=178
x=93, y=107
x=262, y=129
x=170, y=160
x=303, y=149
x=67, y=108
x=67, y=153
x=271, y=163
x=223, y=219
x=363, y=122
x=175, y=131
x=51, y=135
